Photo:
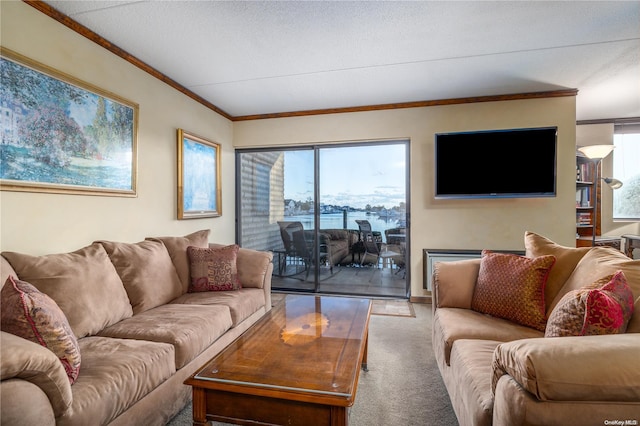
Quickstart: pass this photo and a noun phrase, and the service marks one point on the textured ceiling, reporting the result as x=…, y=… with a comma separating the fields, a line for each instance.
x=256, y=57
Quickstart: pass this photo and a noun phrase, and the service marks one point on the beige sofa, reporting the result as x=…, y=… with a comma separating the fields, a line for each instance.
x=502, y=373
x=139, y=331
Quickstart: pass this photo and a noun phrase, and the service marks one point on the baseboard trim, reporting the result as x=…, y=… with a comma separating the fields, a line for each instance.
x=420, y=299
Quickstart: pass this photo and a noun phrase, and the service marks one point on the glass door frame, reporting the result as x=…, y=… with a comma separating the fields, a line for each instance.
x=316, y=148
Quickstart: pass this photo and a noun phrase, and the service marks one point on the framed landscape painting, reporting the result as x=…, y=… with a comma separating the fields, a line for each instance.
x=199, y=190
x=61, y=135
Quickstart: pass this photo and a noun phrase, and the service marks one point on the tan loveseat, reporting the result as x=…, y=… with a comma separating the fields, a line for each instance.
x=502, y=373
x=139, y=331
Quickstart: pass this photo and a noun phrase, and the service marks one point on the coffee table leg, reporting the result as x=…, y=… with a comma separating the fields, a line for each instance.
x=339, y=416
x=199, y=407
x=366, y=349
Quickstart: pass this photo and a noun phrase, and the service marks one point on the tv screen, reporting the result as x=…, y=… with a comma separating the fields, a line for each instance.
x=509, y=163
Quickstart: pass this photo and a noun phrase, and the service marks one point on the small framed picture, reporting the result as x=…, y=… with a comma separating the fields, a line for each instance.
x=199, y=190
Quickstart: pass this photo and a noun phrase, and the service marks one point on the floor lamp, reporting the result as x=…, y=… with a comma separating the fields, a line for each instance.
x=596, y=153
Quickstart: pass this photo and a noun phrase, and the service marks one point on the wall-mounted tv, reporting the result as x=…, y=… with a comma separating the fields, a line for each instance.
x=510, y=163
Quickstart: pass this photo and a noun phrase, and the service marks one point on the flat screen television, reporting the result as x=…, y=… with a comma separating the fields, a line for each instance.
x=510, y=163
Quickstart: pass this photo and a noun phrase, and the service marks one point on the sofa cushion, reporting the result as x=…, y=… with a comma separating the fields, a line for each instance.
x=177, y=248
x=32, y=315
x=566, y=260
x=454, y=282
x=471, y=368
x=584, y=369
x=146, y=271
x=603, y=307
x=213, y=269
x=189, y=328
x=602, y=261
x=83, y=283
x=512, y=287
x=29, y=361
x=253, y=266
x=452, y=324
x=116, y=373
x=242, y=303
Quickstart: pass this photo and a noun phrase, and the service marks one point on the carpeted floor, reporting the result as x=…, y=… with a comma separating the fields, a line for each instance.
x=403, y=385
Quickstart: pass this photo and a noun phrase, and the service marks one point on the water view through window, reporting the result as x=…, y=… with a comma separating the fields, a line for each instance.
x=306, y=205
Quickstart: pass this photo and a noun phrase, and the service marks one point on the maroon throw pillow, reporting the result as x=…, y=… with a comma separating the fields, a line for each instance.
x=213, y=269
x=32, y=315
x=603, y=307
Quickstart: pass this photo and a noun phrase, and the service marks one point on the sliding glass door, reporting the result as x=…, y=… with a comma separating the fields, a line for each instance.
x=335, y=216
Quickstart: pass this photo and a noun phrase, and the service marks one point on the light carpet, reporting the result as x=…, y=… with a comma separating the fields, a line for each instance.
x=403, y=386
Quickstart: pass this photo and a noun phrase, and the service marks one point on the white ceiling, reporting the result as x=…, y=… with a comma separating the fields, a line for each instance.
x=260, y=57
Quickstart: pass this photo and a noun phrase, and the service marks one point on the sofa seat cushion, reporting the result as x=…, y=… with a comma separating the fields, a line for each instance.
x=84, y=284
x=452, y=324
x=116, y=373
x=146, y=271
x=471, y=367
x=189, y=328
x=241, y=303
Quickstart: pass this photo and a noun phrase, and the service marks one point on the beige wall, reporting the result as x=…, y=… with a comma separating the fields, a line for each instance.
x=449, y=224
x=47, y=223
x=602, y=134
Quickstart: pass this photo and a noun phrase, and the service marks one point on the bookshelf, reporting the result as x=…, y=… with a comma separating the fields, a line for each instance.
x=586, y=190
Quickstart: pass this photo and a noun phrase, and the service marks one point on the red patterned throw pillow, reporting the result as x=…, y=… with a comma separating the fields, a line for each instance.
x=512, y=287
x=603, y=307
x=32, y=315
x=213, y=269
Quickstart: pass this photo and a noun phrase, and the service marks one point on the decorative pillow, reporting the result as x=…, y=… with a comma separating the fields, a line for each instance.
x=32, y=315
x=213, y=269
x=512, y=287
x=603, y=307
x=566, y=260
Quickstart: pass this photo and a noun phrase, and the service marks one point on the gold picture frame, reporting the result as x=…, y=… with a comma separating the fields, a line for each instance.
x=62, y=135
x=199, y=188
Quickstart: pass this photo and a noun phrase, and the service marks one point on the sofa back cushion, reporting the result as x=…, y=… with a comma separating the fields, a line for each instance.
x=83, y=283
x=177, y=248
x=600, y=262
x=6, y=271
x=146, y=271
x=566, y=260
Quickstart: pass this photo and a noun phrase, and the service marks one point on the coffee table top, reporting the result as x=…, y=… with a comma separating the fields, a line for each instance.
x=304, y=345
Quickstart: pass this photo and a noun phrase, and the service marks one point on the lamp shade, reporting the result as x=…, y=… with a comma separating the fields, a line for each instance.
x=612, y=182
x=596, y=152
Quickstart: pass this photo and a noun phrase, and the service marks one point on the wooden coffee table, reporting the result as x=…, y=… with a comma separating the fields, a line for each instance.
x=298, y=365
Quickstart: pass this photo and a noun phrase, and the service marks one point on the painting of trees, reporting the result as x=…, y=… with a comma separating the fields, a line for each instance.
x=56, y=131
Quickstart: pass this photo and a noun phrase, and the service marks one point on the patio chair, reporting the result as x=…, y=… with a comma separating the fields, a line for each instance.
x=396, y=241
x=372, y=245
x=300, y=244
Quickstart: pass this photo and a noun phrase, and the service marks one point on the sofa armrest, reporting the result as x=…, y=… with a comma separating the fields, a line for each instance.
x=584, y=368
x=23, y=359
x=454, y=282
